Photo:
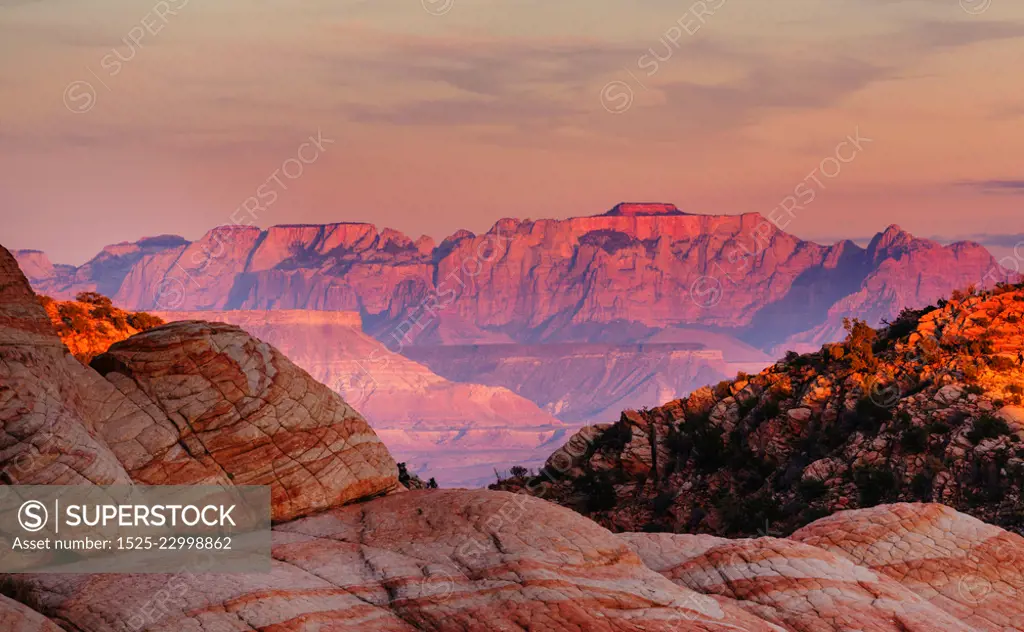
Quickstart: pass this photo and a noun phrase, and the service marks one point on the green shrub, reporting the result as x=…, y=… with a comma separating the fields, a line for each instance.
x=921, y=486
x=615, y=438
x=1001, y=363
x=597, y=490
x=93, y=298
x=860, y=344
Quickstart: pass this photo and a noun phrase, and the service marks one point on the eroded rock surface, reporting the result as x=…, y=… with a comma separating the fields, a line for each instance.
x=972, y=570
x=794, y=585
x=49, y=403
x=242, y=412
x=17, y=617
x=426, y=560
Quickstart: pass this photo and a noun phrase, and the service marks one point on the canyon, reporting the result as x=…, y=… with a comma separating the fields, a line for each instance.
x=495, y=344
x=196, y=402
x=457, y=433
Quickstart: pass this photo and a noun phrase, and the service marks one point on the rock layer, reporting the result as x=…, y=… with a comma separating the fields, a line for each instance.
x=194, y=401
x=622, y=276
x=242, y=412
x=796, y=586
x=972, y=570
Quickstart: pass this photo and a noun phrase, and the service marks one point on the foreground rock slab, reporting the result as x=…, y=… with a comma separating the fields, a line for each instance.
x=426, y=560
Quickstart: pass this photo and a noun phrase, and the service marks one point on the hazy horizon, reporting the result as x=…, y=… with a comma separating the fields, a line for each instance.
x=131, y=118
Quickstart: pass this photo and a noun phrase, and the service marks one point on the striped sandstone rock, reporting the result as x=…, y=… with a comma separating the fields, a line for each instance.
x=961, y=565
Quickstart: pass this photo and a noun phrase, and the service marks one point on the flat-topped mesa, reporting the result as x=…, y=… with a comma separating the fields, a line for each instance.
x=242, y=317
x=643, y=209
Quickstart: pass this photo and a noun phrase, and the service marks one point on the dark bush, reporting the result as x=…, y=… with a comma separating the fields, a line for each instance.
x=93, y=298
x=914, y=440
x=921, y=486
x=597, y=490
x=143, y=321
x=1001, y=363
x=812, y=488
x=987, y=427
x=614, y=438
x=874, y=484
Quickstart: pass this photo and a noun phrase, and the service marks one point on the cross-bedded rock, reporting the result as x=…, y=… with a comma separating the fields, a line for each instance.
x=241, y=411
x=50, y=404
x=970, y=569
x=796, y=586
x=17, y=617
x=427, y=560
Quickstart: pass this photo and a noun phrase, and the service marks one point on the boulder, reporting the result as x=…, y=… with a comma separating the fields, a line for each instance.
x=969, y=569
x=240, y=411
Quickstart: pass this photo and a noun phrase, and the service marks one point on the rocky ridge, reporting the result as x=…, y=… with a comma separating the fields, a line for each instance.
x=641, y=274
x=622, y=276
x=927, y=409
x=351, y=554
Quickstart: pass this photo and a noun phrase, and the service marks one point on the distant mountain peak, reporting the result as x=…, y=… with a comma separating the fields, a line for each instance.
x=643, y=209
x=892, y=237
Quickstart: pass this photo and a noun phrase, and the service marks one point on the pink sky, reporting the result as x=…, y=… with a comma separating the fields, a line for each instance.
x=450, y=114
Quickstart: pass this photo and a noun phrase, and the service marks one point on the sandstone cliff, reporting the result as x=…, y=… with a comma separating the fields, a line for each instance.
x=346, y=559
x=927, y=409
x=619, y=277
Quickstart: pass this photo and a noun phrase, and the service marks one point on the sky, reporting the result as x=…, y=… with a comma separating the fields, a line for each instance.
x=126, y=118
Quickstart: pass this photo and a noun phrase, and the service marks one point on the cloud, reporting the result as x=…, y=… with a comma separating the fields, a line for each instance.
x=773, y=85
x=994, y=187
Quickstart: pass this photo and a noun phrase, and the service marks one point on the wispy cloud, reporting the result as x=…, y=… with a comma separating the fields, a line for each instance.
x=994, y=187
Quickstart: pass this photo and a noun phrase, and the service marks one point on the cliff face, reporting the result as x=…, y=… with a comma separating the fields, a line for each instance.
x=349, y=553
x=458, y=433
x=586, y=382
x=623, y=276
x=928, y=409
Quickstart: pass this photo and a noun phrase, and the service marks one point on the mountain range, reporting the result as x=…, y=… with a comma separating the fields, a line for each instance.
x=352, y=549
x=583, y=317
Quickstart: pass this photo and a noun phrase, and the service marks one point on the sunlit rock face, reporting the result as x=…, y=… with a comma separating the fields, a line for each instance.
x=196, y=401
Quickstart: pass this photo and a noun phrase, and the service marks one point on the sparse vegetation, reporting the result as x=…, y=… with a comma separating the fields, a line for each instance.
x=987, y=427
x=875, y=485
x=859, y=345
